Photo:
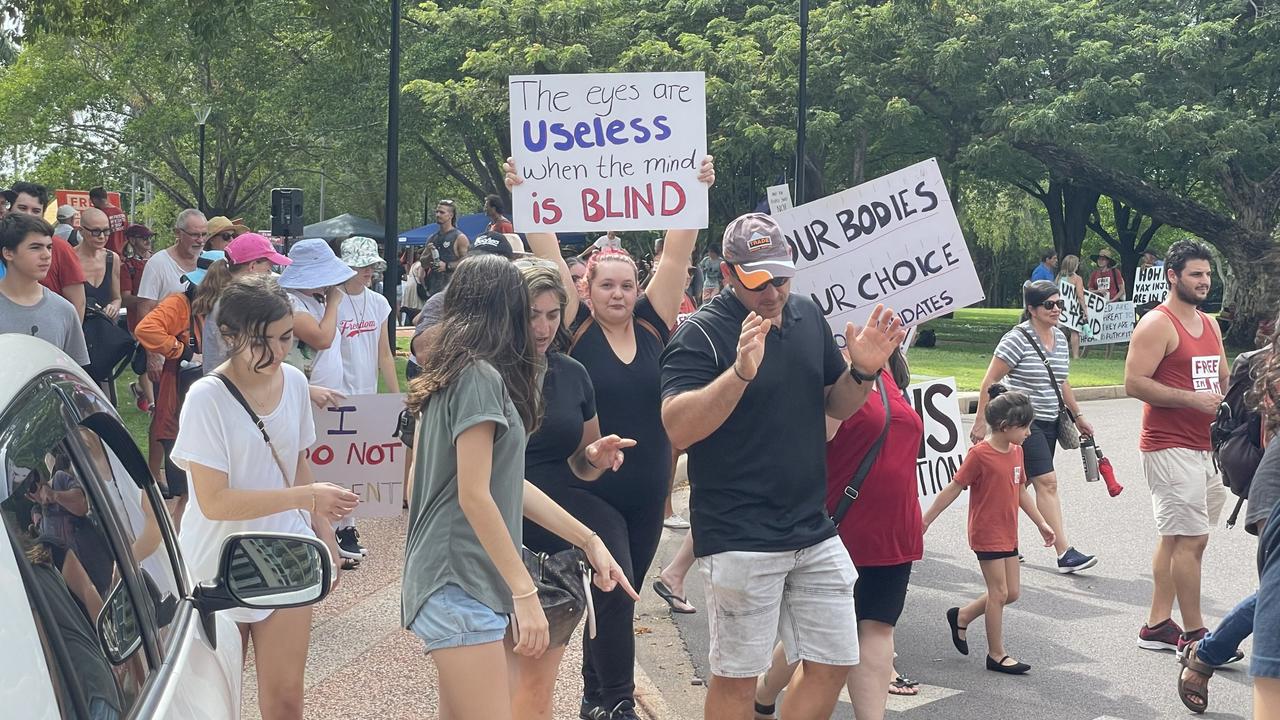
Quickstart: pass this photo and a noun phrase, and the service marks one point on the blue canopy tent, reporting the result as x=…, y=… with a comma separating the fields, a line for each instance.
x=470, y=225
x=343, y=225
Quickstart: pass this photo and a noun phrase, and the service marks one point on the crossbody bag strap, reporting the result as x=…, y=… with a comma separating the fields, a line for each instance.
x=854, y=488
x=1053, y=379
x=257, y=421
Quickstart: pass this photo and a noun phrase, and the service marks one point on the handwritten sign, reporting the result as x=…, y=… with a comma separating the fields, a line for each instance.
x=779, y=198
x=1116, y=321
x=79, y=199
x=1150, y=286
x=609, y=151
x=945, y=442
x=894, y=240
x=1085, y=319
x=355, y=449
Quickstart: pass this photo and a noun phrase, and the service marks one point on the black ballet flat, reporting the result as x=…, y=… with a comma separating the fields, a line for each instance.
x=1017, y=668
x=953, y=619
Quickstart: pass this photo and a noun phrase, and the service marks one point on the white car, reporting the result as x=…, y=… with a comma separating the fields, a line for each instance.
x=101, y=619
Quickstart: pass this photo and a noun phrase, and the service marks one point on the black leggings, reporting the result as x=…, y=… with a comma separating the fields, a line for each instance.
x=632, y=536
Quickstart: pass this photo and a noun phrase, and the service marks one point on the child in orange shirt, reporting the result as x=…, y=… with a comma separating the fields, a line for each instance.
x=993, y=470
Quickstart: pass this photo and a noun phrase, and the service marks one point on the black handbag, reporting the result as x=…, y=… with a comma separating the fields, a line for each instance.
x=564, y=590
x=110, y=346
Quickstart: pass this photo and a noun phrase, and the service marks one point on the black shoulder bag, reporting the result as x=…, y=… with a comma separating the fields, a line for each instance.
x=854, y=488
x=1068, y=433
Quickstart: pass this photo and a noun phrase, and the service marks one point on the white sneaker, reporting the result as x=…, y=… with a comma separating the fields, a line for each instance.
x=675, y=522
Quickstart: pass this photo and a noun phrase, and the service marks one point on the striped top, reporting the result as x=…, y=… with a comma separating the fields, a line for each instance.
x=1029, y=374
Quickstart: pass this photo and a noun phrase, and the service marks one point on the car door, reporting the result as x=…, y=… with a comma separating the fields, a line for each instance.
x=98, y=547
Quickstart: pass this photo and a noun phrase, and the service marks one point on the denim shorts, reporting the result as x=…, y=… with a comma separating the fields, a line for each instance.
x=451, y=618
x=802, y=597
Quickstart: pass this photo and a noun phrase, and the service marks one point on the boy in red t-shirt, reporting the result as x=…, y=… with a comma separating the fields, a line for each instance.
x=993, y=470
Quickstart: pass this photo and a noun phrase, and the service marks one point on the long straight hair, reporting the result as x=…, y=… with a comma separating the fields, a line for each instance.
x=486, y=317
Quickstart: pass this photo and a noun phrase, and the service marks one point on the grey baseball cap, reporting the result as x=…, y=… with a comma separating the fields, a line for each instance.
x=756, y=250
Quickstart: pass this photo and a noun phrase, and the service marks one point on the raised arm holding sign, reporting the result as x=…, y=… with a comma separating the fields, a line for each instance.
x=609, y=151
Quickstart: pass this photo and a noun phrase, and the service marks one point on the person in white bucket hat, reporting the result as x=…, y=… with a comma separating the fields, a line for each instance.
x=364, y=324
x=314, y=284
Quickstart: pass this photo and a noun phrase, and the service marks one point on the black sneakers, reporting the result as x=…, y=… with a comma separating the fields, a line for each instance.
x=624, y=710
x=349, y=545
x=1073, y=561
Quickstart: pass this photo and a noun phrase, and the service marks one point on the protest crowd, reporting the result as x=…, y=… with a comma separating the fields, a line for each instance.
x=549, y=400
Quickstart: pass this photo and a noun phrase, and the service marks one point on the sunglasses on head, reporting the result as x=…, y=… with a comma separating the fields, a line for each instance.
x=1054, y=305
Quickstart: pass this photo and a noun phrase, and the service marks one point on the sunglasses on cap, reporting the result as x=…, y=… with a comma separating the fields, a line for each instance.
x=1054, y=305
x=775, y=282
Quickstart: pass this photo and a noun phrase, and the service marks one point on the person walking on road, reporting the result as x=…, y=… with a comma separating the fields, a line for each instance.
x=1031, y=358
x=882, y=533
x=244, y=482
x=993, y=470
x=1177, y=367
x=464, y=581
x=747, y=382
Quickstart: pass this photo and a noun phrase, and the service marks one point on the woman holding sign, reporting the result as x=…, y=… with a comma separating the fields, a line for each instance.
x=1067, y=277
x=619, y=339
x=1032, y=358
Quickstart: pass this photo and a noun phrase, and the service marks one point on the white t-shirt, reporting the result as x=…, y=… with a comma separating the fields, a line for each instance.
x=326, y=365
x=161, y=277
x=604, y=243
x=360, y=321
x=215, y=431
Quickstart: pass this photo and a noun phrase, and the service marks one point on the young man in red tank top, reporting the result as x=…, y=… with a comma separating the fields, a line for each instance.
x=1178, y=369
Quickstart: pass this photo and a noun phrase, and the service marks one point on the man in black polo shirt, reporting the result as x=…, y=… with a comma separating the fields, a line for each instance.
x=747, y=382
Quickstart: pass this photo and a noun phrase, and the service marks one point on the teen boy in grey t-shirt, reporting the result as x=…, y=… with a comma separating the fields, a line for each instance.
x=26, y=306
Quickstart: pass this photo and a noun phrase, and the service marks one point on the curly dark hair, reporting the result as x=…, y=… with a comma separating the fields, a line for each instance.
x=486, y=317
x=1264, y=396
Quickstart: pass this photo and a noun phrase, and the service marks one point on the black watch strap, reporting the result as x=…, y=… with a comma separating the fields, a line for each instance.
x=864, y=378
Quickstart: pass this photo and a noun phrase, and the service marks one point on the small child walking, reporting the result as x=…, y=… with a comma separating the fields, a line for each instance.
x=993, y=470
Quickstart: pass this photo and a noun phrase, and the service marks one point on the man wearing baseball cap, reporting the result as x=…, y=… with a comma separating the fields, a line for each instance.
x=747, y=383
x=64, y=229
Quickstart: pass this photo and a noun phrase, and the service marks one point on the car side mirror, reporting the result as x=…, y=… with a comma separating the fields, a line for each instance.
x=267, y=571
x=117, y=626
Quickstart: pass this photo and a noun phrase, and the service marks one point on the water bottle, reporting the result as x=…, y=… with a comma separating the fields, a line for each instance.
x=1090, y=454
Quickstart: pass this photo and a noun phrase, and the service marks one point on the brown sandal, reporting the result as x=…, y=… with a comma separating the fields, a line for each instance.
x=1190, y=695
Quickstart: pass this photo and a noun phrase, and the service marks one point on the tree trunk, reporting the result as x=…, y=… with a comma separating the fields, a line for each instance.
x=1253, y=292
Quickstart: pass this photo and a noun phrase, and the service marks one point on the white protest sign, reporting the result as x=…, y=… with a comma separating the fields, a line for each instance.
x=1206, y=373
x=945, y=442
x=1117, y=320
x=1150, y=286
x=894, y=240
x=779, y=198
x=608, y=151
x=1086, y=319
x=355, y=449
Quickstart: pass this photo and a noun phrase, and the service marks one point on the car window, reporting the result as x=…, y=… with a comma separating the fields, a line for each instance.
x=72, y=541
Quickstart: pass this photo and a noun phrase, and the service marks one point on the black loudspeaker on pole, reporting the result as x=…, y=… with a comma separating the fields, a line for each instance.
x=286, y=212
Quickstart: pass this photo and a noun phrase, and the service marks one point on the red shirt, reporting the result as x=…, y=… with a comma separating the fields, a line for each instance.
x=1106, y=282
x=883, y=525
x=502, y=226
x=130, y=277
x=117, y=221
x=1194, y=365
x=64, y=269
x=995, y=479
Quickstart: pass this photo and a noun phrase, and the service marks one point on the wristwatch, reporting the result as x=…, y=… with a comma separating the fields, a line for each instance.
x=864, y=378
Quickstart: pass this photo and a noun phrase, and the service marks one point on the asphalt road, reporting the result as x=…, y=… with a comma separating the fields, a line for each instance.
x=1078, y=632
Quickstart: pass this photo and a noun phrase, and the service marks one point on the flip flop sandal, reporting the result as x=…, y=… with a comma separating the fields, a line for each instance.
x=766, y=712
x=953, y=619
x=1188, y=694
x=904, y=687
x=665, y=593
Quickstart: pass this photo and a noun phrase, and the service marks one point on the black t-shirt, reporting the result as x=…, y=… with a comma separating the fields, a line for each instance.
x=570, y=401
x=629, y=404
x=759, y=481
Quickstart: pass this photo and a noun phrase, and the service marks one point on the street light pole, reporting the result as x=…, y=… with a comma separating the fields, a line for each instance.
x=391, y=233
x=802, y=101
x=202, y=117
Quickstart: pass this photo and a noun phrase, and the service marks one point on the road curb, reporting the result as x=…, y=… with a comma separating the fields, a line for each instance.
x=969, y=400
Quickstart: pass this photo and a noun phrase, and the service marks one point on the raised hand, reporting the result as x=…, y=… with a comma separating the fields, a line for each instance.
x=751, y=346
x=870, y=346
x=606, y=453
x=509, y=174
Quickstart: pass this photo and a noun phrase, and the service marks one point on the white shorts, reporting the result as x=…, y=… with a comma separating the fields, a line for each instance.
x=1187, y=493
x=803, y=598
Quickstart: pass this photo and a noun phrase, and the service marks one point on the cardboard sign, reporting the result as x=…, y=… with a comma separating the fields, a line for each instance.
x=78, y=199
x=945, y=440
x=893, y=241
x=1086, y=319
x=355, y=449
x=1150, y=286
x=1117, y=320
x=608, y=151
x=779, y=198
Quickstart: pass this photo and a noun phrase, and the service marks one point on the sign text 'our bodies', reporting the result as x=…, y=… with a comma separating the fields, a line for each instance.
x=816, y=237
